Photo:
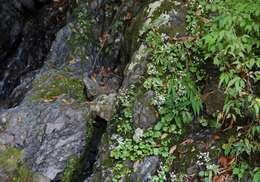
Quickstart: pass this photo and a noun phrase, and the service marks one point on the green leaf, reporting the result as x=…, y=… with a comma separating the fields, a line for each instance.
x=256, y=176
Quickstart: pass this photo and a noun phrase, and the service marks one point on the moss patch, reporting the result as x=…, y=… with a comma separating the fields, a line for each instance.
x=70, y=168
x=9, y=158
x=16, y=171
x=60, y=84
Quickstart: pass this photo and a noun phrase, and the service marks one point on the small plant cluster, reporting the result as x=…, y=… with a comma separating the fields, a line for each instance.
x=232, y=43
x=209, y=169
x=176, y=98
x=229, y=39
x=81, y=31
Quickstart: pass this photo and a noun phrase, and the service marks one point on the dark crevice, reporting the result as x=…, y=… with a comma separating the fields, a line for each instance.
x=89, y=157
x=33, y=25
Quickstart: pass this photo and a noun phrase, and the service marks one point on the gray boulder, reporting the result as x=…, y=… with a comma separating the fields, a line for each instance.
x=104, y=106
x=48, y=134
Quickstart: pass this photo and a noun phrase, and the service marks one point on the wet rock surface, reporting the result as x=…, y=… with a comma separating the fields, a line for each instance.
x=27, y=30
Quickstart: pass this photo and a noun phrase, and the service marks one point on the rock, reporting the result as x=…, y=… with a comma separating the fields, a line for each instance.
x=146, y=169
x=11, y=26
x=104, y=106
x=114, y=83
x=3, y=176
x=144, y=114
x=213, y=98
x=135, y=70
x=41, y=178
x=45, y=131
x=92, y=87
x=28, y=4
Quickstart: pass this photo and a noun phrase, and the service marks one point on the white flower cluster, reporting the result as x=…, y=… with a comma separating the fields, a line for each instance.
x=119, y=141
x=159, y=99
x=165, y=37
x=138, y=134
x=124, y=97
x=210, y=166
x=173, y=177
x=203, y=158
x=151, y=69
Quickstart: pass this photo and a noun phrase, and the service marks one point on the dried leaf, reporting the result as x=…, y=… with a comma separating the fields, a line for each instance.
x=136, y=164
x=55, y=97
x=198, y=13
x=93, y=77
x=129, y=16
x=205, y=95
x=204, y=20
x=103, y=39
x=185, y=38
x=65, y=101
x=215, y=136
x=157, y=114
x=225, y=162
x=172, y=149
x=188, y=141
x=220, y=178
x=164, y=135
x=73, y=61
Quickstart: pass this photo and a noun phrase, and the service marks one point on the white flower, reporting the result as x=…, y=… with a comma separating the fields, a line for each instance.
x=138, y=134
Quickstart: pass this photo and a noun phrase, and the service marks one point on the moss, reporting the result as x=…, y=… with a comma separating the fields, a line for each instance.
x=70, y=168
x=23, y=175
x=60, y=84
x=9, y=158
x=16, y=171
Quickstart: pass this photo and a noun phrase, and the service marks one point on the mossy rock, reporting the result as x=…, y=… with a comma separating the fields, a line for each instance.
x=49, y=88
x=16, y=171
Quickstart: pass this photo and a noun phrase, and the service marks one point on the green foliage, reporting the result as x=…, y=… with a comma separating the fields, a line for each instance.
x=121, y=171
x=177, y=100
x=70, y=169
x=240, y=146
x=164, y=171
x=209, y=173
x=170, y=73
x=256, y=175
x=239, y=170
x=232, y=41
